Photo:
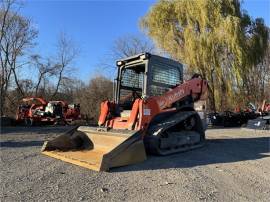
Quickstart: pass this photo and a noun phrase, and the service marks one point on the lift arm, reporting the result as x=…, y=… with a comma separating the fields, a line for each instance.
x=195, y=87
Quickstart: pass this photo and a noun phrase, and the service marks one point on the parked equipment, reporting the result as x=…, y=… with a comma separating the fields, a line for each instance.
x=72, y=113
x=35, y=110
x=262, y=121
x=31, y=111
x=251, y=117
x=230, y=119
x=63, y=111
x=152, y=112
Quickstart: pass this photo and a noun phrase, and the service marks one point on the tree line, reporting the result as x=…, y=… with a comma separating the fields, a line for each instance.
x=214, y=38
x=220, y=41
x=54, y=74
x=17, y=41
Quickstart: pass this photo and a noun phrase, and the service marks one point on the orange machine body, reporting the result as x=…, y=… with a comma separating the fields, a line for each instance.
x=144, y=110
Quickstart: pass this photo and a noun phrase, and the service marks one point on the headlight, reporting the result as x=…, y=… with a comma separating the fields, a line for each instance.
x=144, y=56
x=119, y=63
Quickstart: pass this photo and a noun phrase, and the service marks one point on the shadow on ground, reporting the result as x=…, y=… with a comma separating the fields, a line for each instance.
x=21, y=144
x=215, y=151
x=35, y=129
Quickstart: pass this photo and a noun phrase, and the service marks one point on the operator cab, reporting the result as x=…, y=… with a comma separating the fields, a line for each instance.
x=144, y=75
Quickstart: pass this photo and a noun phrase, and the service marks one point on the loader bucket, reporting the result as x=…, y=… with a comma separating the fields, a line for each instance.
x=97, y=150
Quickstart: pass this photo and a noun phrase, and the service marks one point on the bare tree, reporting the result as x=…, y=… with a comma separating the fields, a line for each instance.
x=258, y=79
x=66, y=54
x=131, y=45
x=126, y=46
x=17, y=35
x=45, y=68
x=90, y=96
x=5, y=71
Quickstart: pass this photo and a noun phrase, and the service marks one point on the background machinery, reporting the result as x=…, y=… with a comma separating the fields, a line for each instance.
x=152, y=112
x=250, y=116
x=31, y=111
x=63, y=111
x=262, y=121
x=36, y=111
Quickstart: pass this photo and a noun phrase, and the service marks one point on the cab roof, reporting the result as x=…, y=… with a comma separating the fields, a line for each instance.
x=142, y=57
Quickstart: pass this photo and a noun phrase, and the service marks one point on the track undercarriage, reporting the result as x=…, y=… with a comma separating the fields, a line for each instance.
x=177, y=133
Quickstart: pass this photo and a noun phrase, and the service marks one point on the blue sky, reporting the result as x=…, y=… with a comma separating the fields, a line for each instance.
x=95, y=25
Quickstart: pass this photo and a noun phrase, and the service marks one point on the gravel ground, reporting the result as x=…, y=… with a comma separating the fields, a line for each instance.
x=233, y=166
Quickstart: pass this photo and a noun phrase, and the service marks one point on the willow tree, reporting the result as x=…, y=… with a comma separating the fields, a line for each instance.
x=214, y=38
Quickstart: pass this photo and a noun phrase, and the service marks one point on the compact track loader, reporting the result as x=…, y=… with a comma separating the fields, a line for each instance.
x=152, y=112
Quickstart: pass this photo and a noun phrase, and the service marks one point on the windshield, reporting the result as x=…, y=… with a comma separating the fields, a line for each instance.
x=131, y=84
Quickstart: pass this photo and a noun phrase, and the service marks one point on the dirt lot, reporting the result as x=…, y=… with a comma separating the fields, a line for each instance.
x=233, y=166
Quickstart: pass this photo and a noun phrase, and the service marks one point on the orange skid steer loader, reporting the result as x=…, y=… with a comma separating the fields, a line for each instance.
x=152, y=112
